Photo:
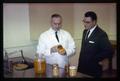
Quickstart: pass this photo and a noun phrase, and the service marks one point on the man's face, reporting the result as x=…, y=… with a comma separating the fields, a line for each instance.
x=88, y=23
x=56, y=23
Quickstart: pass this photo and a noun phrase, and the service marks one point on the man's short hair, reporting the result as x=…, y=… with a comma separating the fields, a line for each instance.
x=56, y=15
x=91, y=14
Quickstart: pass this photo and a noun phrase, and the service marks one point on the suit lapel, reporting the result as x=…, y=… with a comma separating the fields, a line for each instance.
x=93, y=33
x=84, y=34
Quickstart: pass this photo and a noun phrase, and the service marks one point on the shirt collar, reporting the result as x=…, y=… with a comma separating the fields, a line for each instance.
x=91, y=30
x=53, y=31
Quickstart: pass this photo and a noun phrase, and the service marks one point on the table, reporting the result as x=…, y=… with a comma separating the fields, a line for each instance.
x=29, y=73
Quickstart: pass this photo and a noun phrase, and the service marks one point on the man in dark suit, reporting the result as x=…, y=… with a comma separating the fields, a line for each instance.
x=95, y=46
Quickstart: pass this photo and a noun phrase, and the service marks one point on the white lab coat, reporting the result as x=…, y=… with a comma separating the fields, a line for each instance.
x=48, y=40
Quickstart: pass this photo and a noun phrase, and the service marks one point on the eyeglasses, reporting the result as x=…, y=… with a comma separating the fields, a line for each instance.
x=86, y=21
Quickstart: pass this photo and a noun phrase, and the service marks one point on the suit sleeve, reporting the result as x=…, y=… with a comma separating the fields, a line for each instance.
x=105, y=47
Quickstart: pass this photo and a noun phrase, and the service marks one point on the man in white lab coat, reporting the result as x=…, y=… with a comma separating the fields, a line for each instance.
x=50, y=40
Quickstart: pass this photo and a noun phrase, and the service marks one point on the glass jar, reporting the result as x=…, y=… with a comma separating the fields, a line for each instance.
x=55, y=70
x=43, y=64
x=39, y=64
x=72, y=71
x=66, y=69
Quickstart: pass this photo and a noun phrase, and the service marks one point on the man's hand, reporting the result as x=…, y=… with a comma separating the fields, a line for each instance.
x=61, y=50
x=53, y=49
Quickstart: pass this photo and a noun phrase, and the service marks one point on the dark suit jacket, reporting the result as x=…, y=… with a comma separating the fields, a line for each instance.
x=93, y=50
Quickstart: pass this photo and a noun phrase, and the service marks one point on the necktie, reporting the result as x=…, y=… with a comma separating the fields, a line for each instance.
x=86, y=36
x=56, y=36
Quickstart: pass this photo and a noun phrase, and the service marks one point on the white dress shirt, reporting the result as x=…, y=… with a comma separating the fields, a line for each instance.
x=47, y=40
x=91, y=30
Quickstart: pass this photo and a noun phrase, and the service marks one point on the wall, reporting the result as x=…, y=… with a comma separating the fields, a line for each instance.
x=16, y=25
x=16, y=29
x=40, y=15
x=106, y=13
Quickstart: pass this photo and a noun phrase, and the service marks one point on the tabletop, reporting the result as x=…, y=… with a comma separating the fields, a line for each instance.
x=29, y=73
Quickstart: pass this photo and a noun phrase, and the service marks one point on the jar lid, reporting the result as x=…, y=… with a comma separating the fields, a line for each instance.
x=55, y=65
x=72, y=67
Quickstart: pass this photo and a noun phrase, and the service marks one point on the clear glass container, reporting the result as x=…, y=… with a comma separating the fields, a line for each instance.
x=39, y=64
x=55, y=70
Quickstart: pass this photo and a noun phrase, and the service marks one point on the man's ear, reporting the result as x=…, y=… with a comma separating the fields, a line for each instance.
x=94, y=21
